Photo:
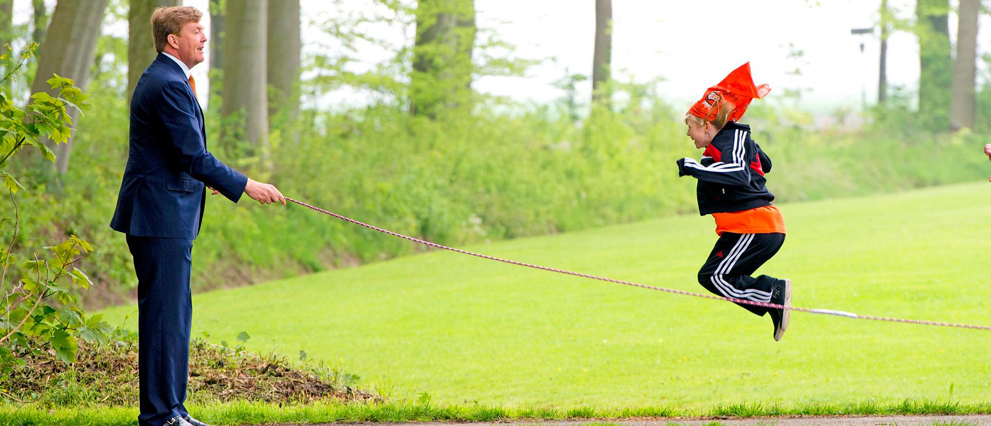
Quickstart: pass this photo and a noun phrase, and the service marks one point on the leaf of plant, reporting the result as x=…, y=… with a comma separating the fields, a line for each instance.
x=243, y=337
x=104, y=328
x=58, y=135
x=66, y=250
x=88, y=335
x=46, y=152
x=40, y=97
x=66, y=298
x=10, y=183
x=18, y=314
x=65, y=346
x=70, y=318
x=58, y=82
x=78, y=102
x=81, y=279
x=34, y=328
x=29, y=285
x=94, y=321
x=81, y=243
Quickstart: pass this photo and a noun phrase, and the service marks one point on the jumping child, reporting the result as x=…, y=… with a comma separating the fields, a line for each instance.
x=731, y=188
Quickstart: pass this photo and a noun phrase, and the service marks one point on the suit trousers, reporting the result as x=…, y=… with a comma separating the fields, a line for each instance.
x=735, y=257
x=165, y=311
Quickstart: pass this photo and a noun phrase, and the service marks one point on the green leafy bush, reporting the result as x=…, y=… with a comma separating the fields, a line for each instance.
x=38, y=311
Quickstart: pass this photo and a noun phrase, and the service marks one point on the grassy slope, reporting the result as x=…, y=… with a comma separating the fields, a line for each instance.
x=466, y=329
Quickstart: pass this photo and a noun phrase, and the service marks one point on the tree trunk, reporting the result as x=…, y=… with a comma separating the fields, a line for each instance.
x=442, y=56
x=6, y=24
x=69, y=51
x=6, y=38
x=216, y=72
x=141, y=44
x=963, y=107
x=882, y=78
x=244, y=62
x=935, y=63
x=40, y=21
x=284, y=50
x=601, y=59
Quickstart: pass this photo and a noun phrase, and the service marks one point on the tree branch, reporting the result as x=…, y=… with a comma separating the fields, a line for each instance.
x=12, y=151
x=23, y=320
x=17, y=221
x=20, y=64
x=12, y=396
x=10, y=248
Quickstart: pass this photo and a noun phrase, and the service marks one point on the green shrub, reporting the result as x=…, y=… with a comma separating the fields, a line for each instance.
x=38, y=311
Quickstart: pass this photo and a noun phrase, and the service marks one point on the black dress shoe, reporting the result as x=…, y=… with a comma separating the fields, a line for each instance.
x=194, y=422
x=177, y=421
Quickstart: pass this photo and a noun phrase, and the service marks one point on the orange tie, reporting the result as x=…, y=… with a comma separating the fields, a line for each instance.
x=192, y=84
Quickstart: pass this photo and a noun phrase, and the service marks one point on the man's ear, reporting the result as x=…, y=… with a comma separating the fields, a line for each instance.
x=172, y=42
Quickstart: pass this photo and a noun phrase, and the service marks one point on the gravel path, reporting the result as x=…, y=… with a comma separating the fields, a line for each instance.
x=976, y=420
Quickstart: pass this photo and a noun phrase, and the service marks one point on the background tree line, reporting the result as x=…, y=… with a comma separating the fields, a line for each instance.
x=265, y=58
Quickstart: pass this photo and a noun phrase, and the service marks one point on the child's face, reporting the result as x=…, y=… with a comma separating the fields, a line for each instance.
x=701, y=135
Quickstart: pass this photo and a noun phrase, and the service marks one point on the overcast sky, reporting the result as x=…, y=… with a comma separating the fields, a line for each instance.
x=693, y=44
x=690, y=43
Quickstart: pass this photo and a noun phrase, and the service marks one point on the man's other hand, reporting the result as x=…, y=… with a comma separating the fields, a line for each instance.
x=987, y=150
x=264, y=193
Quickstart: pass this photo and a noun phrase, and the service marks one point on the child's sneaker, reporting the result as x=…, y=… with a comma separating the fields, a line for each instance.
x=781, y=317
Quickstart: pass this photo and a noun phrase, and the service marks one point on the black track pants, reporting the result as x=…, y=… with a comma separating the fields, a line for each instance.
x=734, y=258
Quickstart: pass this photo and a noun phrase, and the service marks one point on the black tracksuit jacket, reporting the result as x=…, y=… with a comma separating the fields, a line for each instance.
x=730, y=173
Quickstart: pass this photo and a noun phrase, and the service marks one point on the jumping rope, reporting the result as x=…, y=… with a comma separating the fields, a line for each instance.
x=633, y=284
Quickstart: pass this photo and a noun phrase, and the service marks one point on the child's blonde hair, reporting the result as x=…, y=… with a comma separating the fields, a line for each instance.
x=723, y=110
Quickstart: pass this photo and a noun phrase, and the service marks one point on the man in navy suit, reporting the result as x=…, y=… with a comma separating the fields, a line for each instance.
x=160, y=208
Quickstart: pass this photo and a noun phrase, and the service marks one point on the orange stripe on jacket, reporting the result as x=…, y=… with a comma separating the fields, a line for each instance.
x=762, y=220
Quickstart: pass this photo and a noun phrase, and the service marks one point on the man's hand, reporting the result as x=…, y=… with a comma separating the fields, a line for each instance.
x=987, y=150
x=264, y=193
x=215, y=192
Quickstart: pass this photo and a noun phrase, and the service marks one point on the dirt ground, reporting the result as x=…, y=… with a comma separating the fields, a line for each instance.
x=976, y=420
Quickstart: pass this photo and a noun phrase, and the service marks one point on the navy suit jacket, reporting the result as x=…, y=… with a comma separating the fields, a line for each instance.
x=162, y=193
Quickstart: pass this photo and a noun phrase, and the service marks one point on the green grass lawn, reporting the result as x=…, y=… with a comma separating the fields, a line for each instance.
x=459, y=328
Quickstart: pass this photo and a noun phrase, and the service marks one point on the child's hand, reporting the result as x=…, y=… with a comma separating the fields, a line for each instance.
x=681, y=166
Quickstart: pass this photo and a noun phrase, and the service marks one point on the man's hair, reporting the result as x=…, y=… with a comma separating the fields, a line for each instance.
x=170, y=20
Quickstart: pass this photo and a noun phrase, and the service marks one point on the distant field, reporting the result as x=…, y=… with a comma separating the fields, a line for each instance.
x=462, y=329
